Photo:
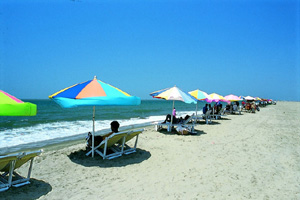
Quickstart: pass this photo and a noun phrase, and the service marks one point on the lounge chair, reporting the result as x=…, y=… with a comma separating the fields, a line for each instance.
x=220, y=113
x=126, y=148
x=207, y=117
x=238, y=110
x=6, y=162
x=159, y=126
x=108, y=144
x=16, y=179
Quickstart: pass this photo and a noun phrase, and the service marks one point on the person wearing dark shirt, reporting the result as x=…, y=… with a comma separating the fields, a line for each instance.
x=204, y=110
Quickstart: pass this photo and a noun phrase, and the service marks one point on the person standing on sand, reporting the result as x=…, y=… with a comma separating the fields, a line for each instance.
x=174, y=113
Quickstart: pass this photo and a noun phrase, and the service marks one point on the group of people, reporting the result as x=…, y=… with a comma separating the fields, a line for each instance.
x=181, y=129
x=214, y=110
x=251, y=106
x=175, y=119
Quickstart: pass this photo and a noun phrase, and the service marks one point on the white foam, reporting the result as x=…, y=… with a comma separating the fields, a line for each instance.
x=48, y=131
x=56, y=130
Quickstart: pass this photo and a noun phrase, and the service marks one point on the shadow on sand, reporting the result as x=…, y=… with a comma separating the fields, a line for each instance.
x=213, y=122
x=80, y=158
x=34, y=190
x=174, y=132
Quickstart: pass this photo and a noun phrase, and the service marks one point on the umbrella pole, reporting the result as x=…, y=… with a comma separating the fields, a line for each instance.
x=93, y=131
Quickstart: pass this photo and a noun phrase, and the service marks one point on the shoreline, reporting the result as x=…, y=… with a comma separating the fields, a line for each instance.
x=248, y=156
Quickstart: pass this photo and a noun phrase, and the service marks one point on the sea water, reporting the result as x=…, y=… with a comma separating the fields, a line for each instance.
x=54, y=124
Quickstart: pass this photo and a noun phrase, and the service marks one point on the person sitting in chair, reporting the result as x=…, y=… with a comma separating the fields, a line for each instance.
x=114, y=126
x=204, y=110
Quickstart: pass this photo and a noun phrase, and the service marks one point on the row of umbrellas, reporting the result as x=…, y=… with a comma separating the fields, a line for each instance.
x=97, y=93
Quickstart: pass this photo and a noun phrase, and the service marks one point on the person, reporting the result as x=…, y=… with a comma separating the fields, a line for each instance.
x=168, y=119
x=215, y=108
x=114, y=126
x=174, y=113
x=204, y=109
x=253, y=107
x=220, y=107
x=234, y=107
x=209, y=107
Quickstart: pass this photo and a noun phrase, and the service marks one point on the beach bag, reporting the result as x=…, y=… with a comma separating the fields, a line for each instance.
x=97, y=140
x=182, y=130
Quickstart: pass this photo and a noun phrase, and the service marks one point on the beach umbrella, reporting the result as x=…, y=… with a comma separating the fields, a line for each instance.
x=249, y=98
x=199, y=95
x=173, y=94
x=214, y=97
x=232, y=97
x=11, y=106
x=93, y=93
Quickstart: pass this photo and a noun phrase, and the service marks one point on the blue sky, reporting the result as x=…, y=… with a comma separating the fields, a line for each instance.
x=227, y=47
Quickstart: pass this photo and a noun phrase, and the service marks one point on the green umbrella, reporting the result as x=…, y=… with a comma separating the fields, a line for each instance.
x=11, y=106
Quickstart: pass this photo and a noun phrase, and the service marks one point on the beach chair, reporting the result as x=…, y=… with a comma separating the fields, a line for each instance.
x=16, y=179
x=207, y=117
x=159, y=126
x=6, y=162
x=109, y=143
x=238, y=110
x=130, y=135
x=220, y=113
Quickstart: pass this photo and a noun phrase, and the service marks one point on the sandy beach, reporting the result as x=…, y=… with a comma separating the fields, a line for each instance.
x=248, y=156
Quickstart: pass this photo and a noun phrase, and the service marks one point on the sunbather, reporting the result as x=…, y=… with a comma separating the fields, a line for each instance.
x=175, y=120
x=114, y=125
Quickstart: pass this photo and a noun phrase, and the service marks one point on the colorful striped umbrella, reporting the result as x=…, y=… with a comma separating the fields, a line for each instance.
x=93, y=93
x=11, y=106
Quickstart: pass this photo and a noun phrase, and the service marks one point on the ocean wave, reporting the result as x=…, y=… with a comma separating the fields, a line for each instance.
x=67, y=130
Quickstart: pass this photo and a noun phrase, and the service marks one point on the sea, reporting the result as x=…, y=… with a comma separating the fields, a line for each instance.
x=54, y=124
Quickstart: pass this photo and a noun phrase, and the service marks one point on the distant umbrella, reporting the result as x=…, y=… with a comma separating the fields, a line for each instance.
x=232, y=97
x=174, y=94
x=200, y=96
x=214, y=97
x=249, y=98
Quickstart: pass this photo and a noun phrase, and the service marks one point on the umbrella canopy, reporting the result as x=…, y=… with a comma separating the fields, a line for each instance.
x=11, y=106
x=93, y=93
x=232, y=97
x=174, y=94
x=199, y=95
x=214, y=97
x=249, y=98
